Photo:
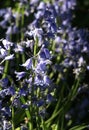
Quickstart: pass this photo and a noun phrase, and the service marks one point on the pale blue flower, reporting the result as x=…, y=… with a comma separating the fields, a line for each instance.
x=27, y=64
x=44, y=54
x=10, y=57
x=7, y=44
x=20, y=75
x=18, y=48
x=3, y=52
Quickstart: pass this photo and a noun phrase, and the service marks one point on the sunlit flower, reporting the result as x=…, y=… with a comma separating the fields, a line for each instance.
x=10, y=57
x=28, y=64
x=20, y=75
x=7, y=44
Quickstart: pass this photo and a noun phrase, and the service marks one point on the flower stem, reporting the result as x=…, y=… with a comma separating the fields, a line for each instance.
x=13, y=126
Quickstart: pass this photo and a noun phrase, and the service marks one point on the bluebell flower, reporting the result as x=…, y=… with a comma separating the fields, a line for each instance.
x=81, y=62
x=11, y=90
x=29, y=81
x=40, y=10
x=7, y=44
x=1, y=69
x=38, y=80
x=9, y=32
x=4, y=82
x=18, y=48
x=28, y=64
x=50, y=98
x=36, y=33
x=6, y=125
x=42, y=6
x=5, y=92
x=25, y=106
x=44, y=54
x=67, y=5
x=10, y=57
x=41, y=67
x=29, y=47
x=42, y=80
x=22, y=92
x=15, y=29
x=29, y=43
x=20, y=75
x=3, y=53
x=47, y=80
x=29, y=35
x=2, y=12
x=6, y=111
x=8, y=14
x=39, y=14
x=34, y=2
x=40, y=103
x=16, y=102
x=3, y=24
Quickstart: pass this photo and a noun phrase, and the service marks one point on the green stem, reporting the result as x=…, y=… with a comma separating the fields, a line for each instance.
x=35, y=46
x=22, y=23
x=37, y=119
x=6, y=69
x=65, y=105
x=13, y=126
x=30, y=125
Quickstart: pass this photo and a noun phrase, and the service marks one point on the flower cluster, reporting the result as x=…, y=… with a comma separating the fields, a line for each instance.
x=39, y=53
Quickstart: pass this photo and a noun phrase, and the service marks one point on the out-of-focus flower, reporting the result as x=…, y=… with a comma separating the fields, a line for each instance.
x=11, y=90
x=49, y=98
x=8, y=14
x=34, y=1
x=81, y=62
x=1, y=69
x=40, y=103
x=22, y=92
x=4, y=82
x=47, y=80
x=20, y=75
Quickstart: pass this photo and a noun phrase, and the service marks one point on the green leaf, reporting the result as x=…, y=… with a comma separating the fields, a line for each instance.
x=78, y=127
x=54, y=127
x=17, y=128
x=19, y=117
